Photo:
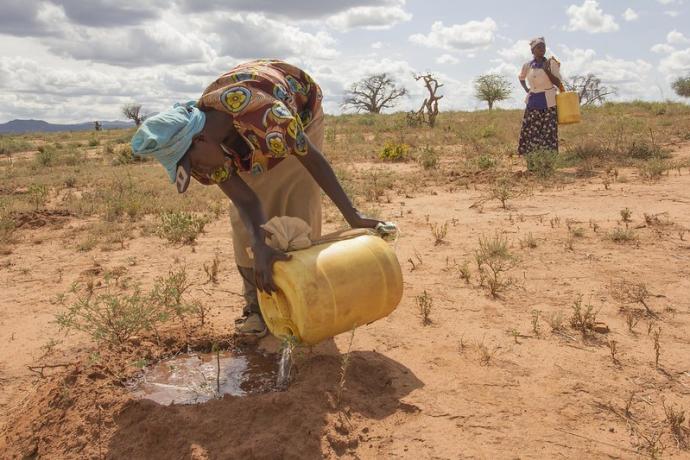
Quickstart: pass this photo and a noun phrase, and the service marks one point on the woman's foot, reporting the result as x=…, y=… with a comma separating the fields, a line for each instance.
x=251, y=325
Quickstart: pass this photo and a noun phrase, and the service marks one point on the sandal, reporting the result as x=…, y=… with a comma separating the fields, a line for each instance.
x=251, y=325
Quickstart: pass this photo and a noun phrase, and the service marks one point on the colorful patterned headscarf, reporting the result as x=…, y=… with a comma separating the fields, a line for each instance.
x=168, y=135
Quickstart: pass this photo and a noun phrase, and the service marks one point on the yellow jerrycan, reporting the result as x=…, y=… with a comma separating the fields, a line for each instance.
x=568, y=108
x=331, y=287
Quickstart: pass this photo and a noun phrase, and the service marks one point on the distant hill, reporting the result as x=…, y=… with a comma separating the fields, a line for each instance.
x=27, y=126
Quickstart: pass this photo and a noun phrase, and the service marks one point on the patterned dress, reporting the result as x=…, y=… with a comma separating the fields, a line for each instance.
x=540, y=121
x=274, y=107
x=271, y=103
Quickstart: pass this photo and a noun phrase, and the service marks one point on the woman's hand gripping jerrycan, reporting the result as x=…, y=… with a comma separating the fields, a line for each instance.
x=332, y=287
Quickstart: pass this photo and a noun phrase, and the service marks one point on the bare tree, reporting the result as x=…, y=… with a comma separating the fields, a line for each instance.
x=682, y=86
x=97, y=125
x=429, y=109
x=373, y=94
x=134, y=113
x=492, y=88
x=589, y=89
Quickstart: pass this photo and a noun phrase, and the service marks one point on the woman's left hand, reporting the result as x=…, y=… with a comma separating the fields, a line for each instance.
x=360, y=221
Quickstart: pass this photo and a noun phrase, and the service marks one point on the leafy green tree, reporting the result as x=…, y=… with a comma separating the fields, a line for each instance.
x=682, y=86
x=492, y=88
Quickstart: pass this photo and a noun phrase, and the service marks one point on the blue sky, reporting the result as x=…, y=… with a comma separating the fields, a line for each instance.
x=77, y=60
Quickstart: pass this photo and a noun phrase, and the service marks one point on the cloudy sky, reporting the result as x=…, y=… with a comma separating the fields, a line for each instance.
x=81, y=60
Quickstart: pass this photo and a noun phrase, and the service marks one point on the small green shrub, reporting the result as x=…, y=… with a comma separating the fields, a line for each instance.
x=645, y=151
x=93, y=142
x=584, y=317
x=428, y=158
x=168, y=293
x=180, y=227
x=7, y=225
x=110, y=317
x=622, y=235
x=589, y=151
x=123, y=155
x=653, y=169
x=367, y=119
x=487, y=131
x=45, y=156
x=10, y=145
x=70, y=181
x=425, y=303
x=542, y=163
x=493, y=259
x=122, y=200
x=504, y=189
x=375, y=183
x=38, y=194
x=485, y=161
x=394, y=151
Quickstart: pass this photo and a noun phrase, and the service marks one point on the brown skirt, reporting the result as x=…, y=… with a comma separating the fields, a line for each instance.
x=539, y=130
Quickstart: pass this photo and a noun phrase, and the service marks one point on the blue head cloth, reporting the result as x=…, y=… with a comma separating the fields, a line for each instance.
x=168, y=135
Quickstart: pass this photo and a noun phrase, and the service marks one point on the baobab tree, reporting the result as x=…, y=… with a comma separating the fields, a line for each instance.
x=373, y=94
x=134, y=113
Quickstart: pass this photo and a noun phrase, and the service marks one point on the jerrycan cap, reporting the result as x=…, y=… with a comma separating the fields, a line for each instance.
x=387, y=230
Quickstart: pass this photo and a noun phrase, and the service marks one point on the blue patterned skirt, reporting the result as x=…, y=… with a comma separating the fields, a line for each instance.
x=539, y=130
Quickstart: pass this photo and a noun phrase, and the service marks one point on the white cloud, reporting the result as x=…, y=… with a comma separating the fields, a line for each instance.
x=108, y=13
x=610, y=69
x=676, y=63
x=676, y=38
x=669, y=2
x=663, y=48
x=519, y=52
x=672, y=13
x=295, y=9
x=158, y=43
x=447, y=59
x=253, y=35
x=377, y=45
x=368, y=17
x=630, y=15
x=589, y=17
x=469, y=36
x=27, y=75
x=30, y=89
x=506, y=69
x=672, y=38
x=631, y=78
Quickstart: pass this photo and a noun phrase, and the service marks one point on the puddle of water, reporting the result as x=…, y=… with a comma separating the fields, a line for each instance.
x=198, y=377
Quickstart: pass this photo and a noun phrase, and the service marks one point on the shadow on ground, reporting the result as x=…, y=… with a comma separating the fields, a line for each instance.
x=301, y=422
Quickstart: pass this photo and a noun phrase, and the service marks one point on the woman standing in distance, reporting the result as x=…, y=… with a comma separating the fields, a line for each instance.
x=540, y=78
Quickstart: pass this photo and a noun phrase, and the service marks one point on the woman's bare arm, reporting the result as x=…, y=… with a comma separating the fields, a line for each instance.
x=323, y=174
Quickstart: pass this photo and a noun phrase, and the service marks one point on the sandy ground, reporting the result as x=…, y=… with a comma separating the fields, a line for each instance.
x=478, y=382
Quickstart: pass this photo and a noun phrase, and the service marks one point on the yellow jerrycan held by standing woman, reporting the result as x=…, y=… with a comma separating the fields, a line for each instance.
x=332, y=287
x=568, y=107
